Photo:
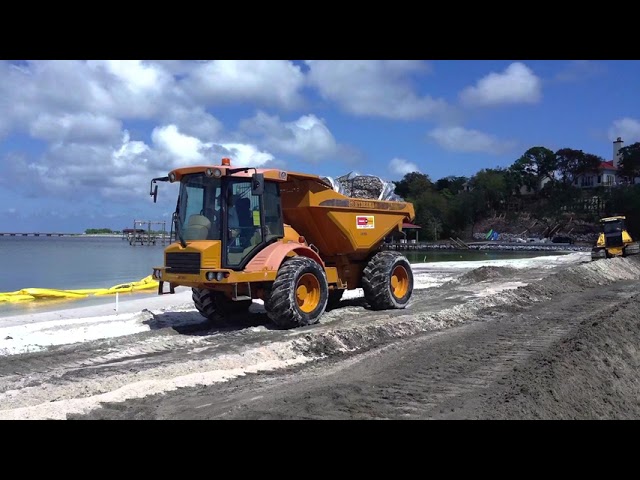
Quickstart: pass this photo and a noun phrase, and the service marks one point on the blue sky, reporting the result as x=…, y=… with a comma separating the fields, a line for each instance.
x=80, y=140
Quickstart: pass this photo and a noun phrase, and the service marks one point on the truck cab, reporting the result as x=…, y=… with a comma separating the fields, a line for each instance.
x=224, y=210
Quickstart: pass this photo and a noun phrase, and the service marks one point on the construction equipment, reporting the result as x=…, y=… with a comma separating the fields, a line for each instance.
x=286, y=238
x=614, y=240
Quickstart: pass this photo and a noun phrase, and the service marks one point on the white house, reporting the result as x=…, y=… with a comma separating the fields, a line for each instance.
x=607, y=174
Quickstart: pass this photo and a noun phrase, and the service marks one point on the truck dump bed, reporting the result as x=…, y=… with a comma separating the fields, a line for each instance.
x=335, y=223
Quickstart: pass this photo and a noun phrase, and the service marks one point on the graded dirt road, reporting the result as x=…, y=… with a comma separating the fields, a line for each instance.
x=565, y=346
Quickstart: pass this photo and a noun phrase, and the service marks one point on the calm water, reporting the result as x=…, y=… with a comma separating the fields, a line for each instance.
x=101, y=262
x=73, y=262
x=69, y=263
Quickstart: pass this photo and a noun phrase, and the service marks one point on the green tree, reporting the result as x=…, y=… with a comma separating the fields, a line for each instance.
x=491, y=186
x=573, y=163
x=451, y=183
x=626, y=201
x=534, y=166
x=461, y=213
x=431, y=210
x=412, y=185
x=629, y=165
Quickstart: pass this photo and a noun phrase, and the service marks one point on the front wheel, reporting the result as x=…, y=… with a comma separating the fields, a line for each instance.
x=215, y=305
x=387, y=281
x=299, y=293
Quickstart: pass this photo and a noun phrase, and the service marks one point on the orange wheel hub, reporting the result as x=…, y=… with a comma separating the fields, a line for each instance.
x=399, y=281
x=308, y=292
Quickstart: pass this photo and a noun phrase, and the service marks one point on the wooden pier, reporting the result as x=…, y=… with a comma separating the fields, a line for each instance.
x=141, y=236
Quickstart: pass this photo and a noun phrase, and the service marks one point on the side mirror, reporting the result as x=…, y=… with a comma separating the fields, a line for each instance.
x=257, y=184
x=154, y=191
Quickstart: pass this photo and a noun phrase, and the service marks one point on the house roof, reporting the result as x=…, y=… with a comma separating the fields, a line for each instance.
x=608, y=165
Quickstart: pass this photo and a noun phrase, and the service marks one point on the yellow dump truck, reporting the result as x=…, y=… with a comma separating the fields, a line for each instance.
x=286, y=238
x=614, y=240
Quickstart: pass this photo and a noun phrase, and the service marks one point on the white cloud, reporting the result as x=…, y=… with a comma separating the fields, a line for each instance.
x=377, y=88
x=308, y=137
x=459, y=139
x=626, y=128
x=242, y=154
x=40, y=94
x=517, y=84
x=270, y=82
x=119, y=172
x=79, y=172
x=136, y=76
x=59, y=100
x=195, y=122
x=179, y=150
x=180, y=146
x=79, y=127
x=401, y=167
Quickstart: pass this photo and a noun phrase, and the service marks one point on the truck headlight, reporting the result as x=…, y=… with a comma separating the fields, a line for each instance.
x=211, y=276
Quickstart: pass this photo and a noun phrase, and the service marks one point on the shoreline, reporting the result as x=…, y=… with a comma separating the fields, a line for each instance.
x=107, y=303
x=30, y=332
x=146, y=300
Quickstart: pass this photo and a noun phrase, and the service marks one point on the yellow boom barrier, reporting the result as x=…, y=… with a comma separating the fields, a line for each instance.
x=29, y=294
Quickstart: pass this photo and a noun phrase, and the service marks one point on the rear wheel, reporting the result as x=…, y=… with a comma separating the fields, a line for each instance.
x=387, y=281
x=216, y=305
x=299, y=293
x=598, y=254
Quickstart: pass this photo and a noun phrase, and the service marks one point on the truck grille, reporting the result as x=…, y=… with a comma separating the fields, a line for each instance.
x=183, y=262
x=613, y=240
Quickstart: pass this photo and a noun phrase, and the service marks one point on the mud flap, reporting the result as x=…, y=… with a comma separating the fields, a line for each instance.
x=172, y=288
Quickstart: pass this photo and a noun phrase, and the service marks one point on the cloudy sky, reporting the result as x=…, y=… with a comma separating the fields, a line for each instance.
x=80, y=140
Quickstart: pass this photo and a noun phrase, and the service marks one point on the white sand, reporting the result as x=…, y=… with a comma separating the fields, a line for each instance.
x=37, y=331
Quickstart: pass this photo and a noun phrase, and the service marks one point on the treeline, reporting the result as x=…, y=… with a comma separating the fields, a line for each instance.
x=98, y=231
x=541, y=182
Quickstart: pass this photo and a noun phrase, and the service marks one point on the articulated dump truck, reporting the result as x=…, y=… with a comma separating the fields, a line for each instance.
x=286, y=238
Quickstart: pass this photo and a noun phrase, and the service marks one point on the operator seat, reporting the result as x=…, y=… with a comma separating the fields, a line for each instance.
x=197, y=228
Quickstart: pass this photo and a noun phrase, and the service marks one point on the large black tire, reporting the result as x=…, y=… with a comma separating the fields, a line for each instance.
x=214, y=305
x=387, y=281
x=598, y=254
x=298, y=295
x=334, y=299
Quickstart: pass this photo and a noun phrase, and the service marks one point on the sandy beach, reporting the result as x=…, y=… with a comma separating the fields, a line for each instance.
x=68, y=324
x=476, y=330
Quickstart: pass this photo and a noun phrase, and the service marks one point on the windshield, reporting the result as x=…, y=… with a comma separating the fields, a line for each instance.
x=614, y=227
x=199, y=208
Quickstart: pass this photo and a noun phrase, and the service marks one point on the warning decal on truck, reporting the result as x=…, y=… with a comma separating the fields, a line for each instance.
x=365, y=221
